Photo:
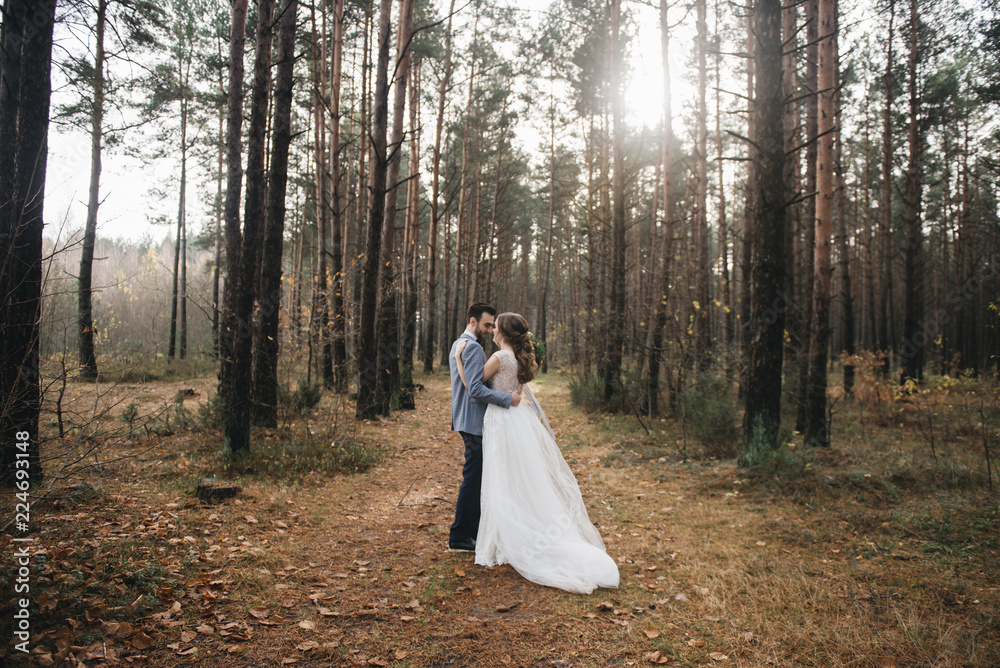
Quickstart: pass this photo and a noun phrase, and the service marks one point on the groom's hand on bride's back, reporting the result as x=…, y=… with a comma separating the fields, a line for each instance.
x=515, y=398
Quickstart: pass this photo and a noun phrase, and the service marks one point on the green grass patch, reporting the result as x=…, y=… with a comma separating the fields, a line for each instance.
x=627, y=392
x=144, y=369
x=708, y=412
x=292, y=455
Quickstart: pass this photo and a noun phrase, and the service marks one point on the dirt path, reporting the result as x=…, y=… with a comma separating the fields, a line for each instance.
x=356, y=570
x=376, y=558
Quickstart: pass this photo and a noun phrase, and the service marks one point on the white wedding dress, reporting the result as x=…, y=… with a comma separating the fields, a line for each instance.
x=533, y=516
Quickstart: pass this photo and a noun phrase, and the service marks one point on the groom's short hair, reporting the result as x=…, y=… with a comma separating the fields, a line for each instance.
x=478, y=309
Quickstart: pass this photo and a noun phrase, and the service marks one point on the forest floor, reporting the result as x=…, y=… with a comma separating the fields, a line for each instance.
x=865, y=554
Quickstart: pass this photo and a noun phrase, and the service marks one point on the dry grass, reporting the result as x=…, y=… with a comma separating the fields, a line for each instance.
x=874, y=553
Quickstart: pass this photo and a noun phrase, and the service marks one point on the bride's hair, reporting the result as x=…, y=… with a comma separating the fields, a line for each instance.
x=514, y=330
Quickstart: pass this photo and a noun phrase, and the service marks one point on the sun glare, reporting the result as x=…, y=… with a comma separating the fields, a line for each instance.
x=644, y=99
x=644, y=90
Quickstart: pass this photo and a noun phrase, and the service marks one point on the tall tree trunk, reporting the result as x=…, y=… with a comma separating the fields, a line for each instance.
x=699, y=231
x=176, y=276
x=593, y=328
x=85, y=316
x=662, y=312
x=494, y=210
x=337, y=311
x=364, y=180
x=446, y=311
x=793, y=186
x=431, y=317
x=369, y=403
x=765, y=330
x=727, y=318
x=884, y=320
x=182, y=297
x=184, y=70
x=817, y=430
x=846, y=293
x=914, y=340
x=616, y=318
x=180, y=258
x=868, y=338
x=474, y=270
x=241, y=251
x=543, y=291
x=219, y=207
x=970, y=259
x=266, y=336
x=25, y=89
x=463, y=191
x=807, y=271
x=749, y=209
x=298, y=260
x=387, y=330
x=321, y=294
x=411, y=247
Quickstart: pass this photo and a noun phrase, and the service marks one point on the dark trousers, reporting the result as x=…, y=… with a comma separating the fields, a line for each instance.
x=467, y=508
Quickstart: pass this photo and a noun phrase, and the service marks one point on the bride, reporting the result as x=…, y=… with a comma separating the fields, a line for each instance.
x=533, y=516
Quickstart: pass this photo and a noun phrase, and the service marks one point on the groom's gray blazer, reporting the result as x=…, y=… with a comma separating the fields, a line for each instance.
x=468, y=406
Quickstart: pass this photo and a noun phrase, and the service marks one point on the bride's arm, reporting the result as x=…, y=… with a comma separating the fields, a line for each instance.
x=458, y=361
x=492, y=364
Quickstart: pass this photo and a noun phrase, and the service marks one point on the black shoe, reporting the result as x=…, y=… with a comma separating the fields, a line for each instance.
x=462, y=545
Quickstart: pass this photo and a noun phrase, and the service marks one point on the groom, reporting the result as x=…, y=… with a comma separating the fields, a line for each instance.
x=468, y=406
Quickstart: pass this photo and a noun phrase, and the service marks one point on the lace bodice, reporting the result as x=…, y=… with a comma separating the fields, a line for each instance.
x=505, y=379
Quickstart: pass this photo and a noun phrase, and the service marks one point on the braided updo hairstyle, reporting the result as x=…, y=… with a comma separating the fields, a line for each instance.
x=514, y=330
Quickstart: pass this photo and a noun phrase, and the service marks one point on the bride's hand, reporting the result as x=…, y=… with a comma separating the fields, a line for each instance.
x=515, y=398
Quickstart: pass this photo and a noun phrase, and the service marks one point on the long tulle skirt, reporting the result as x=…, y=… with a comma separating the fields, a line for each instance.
x=533, y=516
